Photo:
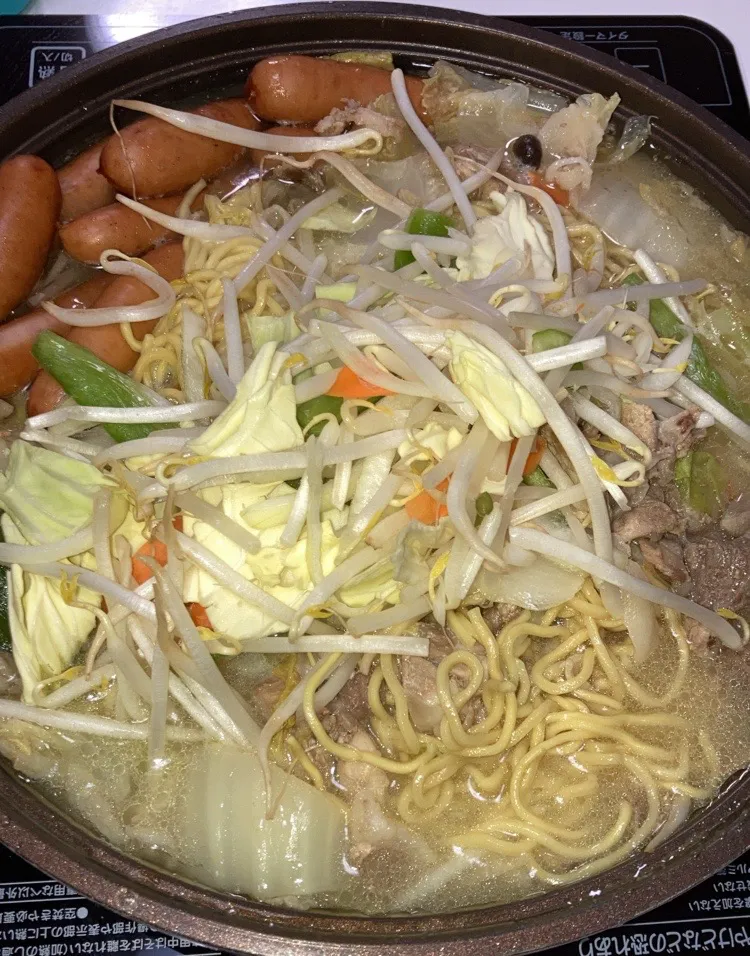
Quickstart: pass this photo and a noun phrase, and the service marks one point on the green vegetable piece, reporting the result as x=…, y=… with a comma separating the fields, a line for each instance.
x=6, y=643
x=701, y=482
x=538, y=478
x=90, y=381
x=484, y=504
x=699, y=369
x=422, y=222
x=320, y=405
x=549, y=339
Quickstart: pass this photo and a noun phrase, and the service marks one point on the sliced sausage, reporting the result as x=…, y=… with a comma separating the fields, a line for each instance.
x=117, y=227
x=83, y=187
x=159, y=159
x=29, y=207
x=258, y=155
x=17, y=365
x=304, y=89
x=106, y=341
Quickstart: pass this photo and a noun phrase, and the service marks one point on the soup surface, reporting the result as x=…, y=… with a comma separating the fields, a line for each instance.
x=374, y=488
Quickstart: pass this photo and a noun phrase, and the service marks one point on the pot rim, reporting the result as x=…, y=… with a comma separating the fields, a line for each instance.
x=30, y=827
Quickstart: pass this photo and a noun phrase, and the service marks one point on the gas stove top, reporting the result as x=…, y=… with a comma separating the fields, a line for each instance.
x=40, y=917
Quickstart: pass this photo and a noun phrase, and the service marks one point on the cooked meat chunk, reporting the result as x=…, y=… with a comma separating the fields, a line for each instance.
x=719, y=569
x=642, y=423
x=265, y=697
x=353, y=115
x=736, y=520
x=666, y=557
x=648, y=519
x=699, y=637
x=441, y=641
x=357, y=777
x=678, y=434
x=419, y=678
x=349, y=710
x=497, y=616
x=370, y=828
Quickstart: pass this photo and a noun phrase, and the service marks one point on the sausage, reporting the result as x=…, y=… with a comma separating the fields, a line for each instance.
x=17, y=365
x=106, y=341
x=258, y=155
x=83, y=188
x=29, y=207
x=304, y=89
x=117, y=227
x=162, y=159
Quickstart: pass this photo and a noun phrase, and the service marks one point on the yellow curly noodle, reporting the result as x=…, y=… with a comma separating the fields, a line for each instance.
x=535, y=721
x=159, y=364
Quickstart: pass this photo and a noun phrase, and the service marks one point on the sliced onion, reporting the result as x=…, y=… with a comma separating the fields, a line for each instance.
x=146, y=311
x=639, y=617
x=538, y=587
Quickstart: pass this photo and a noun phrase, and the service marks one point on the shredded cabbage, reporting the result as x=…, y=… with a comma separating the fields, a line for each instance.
x=512, y=234
x=48, y=495
x=506, y=406
x=261, y=417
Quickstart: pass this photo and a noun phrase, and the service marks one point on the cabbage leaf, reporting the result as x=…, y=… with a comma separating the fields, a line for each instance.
x=505, y=405
x=261, y=417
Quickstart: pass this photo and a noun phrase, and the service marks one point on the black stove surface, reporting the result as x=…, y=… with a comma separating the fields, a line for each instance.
x=40, y=917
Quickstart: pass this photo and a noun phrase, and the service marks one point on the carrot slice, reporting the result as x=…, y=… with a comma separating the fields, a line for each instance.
x=349, y=385
x=423, y=507
x=535, y=455
x=199, y=615
x=560, y=195
x=152, y=549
